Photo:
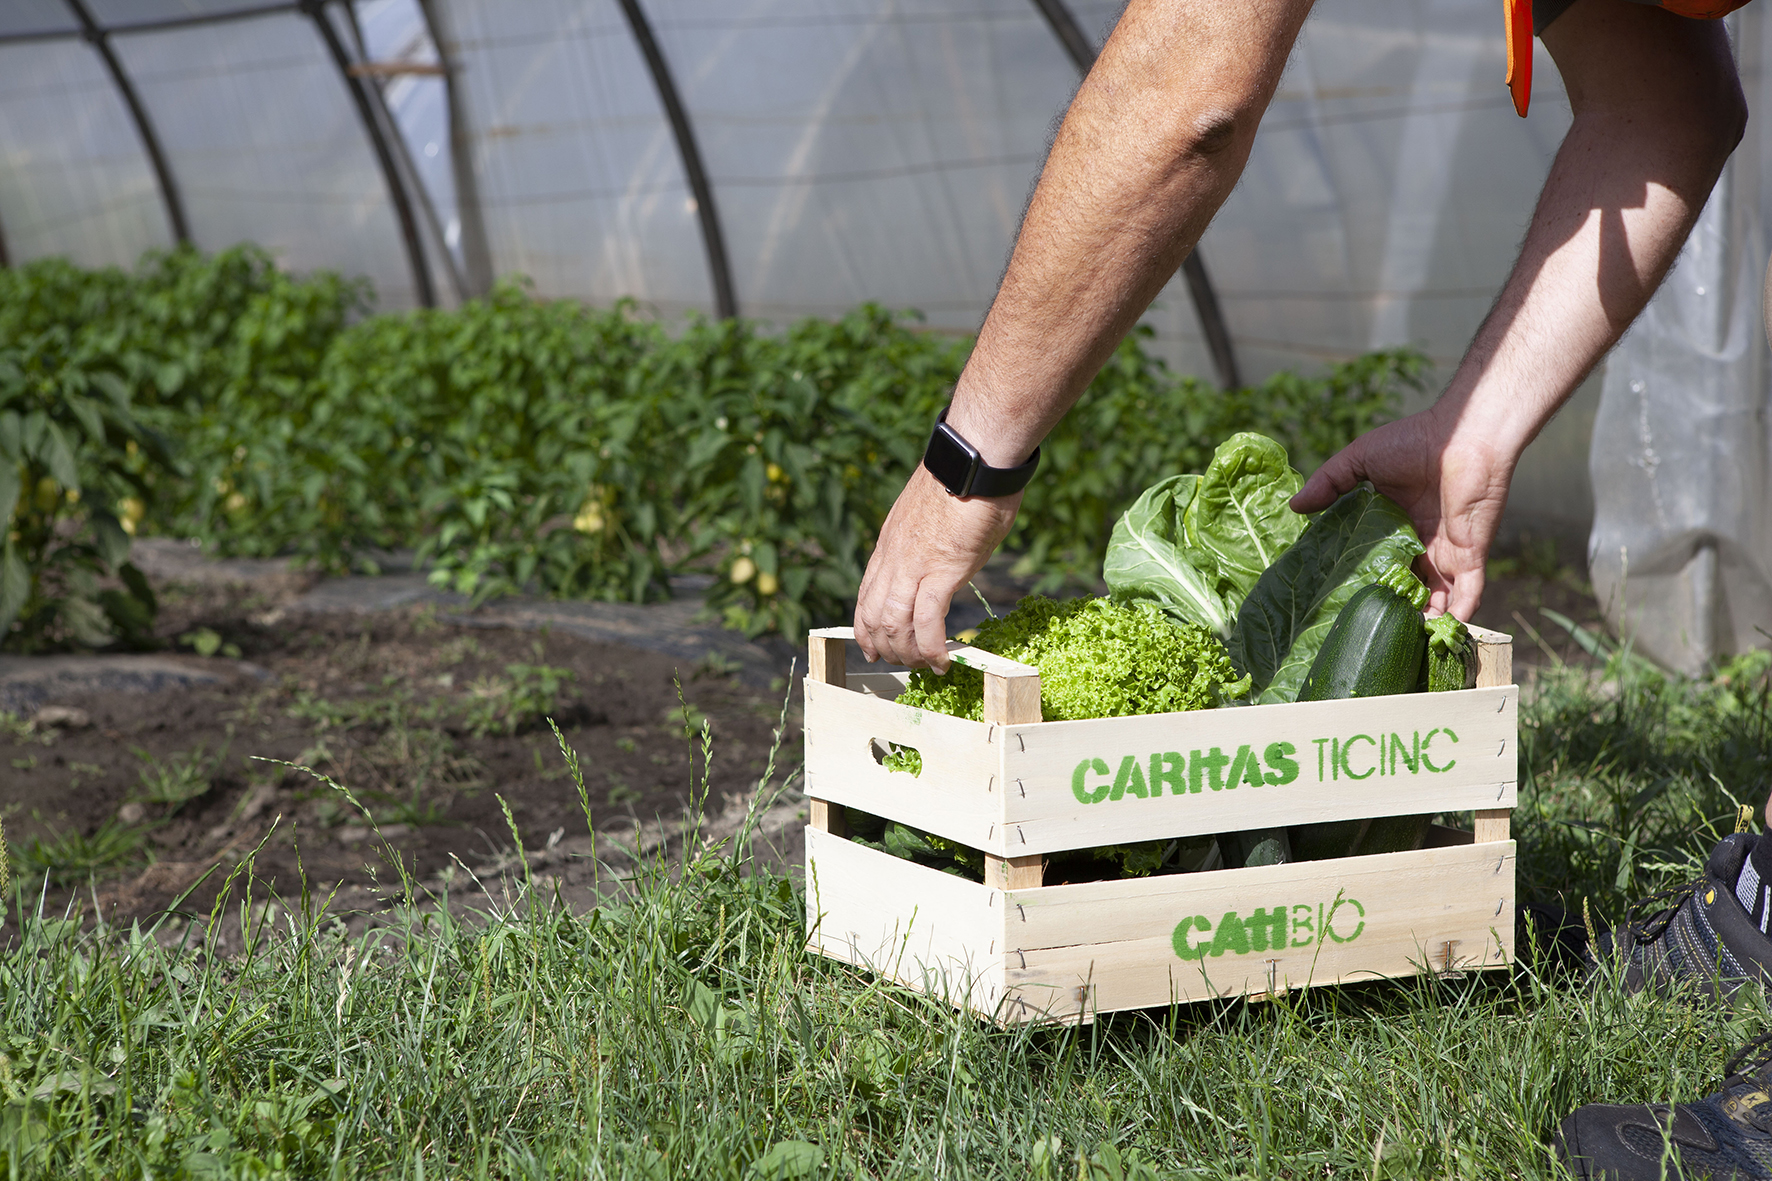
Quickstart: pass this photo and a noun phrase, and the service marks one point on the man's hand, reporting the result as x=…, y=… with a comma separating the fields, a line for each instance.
x=1453, y=489
x=929, y=546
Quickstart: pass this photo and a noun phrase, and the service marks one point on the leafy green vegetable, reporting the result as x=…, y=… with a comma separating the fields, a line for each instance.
x=903, y=758
x=1138, y=860
x=1196, y=545
x=1285, y=619
x=1147, y=557
x=1098, y=658
x=925, y=848
x=1241, y=512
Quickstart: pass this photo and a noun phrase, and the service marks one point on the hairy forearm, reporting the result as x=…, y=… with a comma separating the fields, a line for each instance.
x=1657, y=114
x=1151, y=146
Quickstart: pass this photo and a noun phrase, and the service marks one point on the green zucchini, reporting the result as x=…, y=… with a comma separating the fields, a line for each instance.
x=1376, y=644
x=1376, y=647
x=1451, y=656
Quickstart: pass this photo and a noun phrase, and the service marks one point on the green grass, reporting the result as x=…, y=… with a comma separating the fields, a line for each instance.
x=70, y=857
x=682, y=1031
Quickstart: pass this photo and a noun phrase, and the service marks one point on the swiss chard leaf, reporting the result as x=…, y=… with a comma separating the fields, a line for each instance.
x=1196, y=545
x=1147, y=558
x=1284, y=619
x=1240, y=514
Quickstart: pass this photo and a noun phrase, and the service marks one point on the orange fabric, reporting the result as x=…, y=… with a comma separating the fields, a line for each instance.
x=1518, y=16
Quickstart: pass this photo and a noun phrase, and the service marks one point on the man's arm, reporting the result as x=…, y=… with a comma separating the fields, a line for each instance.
x=1153, y=143
x=1657, y=109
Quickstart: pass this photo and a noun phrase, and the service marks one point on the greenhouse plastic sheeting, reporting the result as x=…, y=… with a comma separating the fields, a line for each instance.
x=73, y=177
x=267, y=147
x=1681, y=550
x=396, y=31
x=866, y=149
x=1388, y=186
x=861, y=151
x=130, y=12
x=580, y=184
x=36, y=16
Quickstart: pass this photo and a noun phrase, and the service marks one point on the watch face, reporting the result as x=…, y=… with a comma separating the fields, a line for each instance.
x=951, y=459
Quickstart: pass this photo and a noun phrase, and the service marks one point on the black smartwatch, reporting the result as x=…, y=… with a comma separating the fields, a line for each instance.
x=955, y=462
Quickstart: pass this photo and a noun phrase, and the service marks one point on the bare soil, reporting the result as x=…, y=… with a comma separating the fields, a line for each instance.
x=384, y=705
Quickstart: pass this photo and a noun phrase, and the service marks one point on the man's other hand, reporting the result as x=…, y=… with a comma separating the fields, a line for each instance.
x=929, y=546
x=1452, y=488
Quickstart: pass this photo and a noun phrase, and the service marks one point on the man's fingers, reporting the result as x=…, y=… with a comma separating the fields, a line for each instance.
x=929, y=545
x=1337, y=476
x=864, y=617
x=893, y=628
x=882, y=617
x=1467, y=595
x=929, y=624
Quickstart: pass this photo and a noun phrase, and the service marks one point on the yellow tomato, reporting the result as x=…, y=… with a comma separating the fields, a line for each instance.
x=743, y=571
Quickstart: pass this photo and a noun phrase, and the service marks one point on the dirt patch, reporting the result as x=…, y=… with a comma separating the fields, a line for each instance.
x=431, y=721
x=436, y=728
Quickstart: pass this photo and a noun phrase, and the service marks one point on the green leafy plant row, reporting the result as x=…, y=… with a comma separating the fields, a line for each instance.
x=525, y=443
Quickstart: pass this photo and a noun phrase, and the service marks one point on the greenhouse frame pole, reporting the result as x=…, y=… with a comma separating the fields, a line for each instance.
x=476, y=253
x=416, y=189
x=1193, y=267
x=719, y=270
x=100, y=40
x=415, y=254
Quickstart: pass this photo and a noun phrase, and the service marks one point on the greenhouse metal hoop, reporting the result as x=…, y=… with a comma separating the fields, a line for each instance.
x=100, y=40
x=384, y=155
x=719, y=268
x=376, y=127
x=99, y=36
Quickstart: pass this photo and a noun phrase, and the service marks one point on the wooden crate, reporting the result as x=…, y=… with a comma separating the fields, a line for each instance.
x=1019, y=788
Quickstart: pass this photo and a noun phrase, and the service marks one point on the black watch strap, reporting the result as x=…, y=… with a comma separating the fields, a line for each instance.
x=956, y=463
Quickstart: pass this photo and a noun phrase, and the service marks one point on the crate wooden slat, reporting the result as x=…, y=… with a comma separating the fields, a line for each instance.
x=1012, y=790
x=1016, y=950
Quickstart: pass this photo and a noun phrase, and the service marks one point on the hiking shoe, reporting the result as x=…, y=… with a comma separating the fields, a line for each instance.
x=1697, y=937
x=1722, y=1137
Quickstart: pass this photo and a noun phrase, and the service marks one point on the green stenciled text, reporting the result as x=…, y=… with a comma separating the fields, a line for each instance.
x=1357, y=756
x=1269, y=928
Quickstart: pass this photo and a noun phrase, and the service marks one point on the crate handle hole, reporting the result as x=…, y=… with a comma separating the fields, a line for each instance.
x=896, y=757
